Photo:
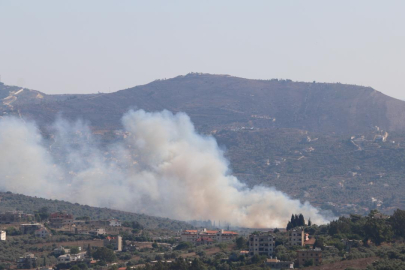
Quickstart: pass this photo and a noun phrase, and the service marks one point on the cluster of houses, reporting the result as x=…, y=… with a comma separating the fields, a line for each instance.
x=207, y=237
x=57, y=220
x=260, y=243
x=66, y=257
x=264, y=243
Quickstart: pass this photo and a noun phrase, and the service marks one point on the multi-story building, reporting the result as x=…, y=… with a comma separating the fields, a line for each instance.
x=262, y=244
x=225, y=236
x=304, y=255
x=115, y=241
x=189, y=236
x=29, y=228
x=28, y=261
x=60, y=219
x=3, y=236
x=296, y=237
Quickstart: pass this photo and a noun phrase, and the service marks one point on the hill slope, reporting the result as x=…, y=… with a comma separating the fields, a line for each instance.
x=223, y=102
x=11, y=202
x=264, y=126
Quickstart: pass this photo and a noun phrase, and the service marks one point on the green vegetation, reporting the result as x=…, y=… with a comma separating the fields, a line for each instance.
x=10, y=201
x=296, y=221
x=329, y=171
x=105, y=254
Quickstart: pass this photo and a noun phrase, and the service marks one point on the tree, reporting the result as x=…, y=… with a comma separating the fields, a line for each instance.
x=182, y=245
x=42, y=214
x=74, y=250
x=154, y=245
x=197, y=265
x=82, y=266
x=398, y=222
x=309, y=223
x=104, y=254
x=377, y=230
x=342, y=225
x=319, y=243
x=301, y=220
x=88, y=253
x=240, y=243
x=180, y=264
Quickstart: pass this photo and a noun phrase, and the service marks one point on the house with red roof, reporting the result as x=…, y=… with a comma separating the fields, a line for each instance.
x=204, y=240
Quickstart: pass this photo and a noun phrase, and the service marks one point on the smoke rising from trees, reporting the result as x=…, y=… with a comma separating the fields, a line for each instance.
x=163, y=167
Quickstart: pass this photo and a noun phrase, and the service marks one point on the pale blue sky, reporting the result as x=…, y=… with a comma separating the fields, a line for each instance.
x=89, y=46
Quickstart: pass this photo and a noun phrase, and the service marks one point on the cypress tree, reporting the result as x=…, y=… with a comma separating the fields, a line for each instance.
x=301, y=221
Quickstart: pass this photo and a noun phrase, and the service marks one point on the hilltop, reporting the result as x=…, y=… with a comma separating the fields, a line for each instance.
x=224, y=102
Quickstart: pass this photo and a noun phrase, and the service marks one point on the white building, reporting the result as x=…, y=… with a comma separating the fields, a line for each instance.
x=115, y=223
x=67, y=258
x=2, y=236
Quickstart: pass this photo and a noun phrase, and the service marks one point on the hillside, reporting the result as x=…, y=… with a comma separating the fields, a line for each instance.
x=224, y=102
x=263, y=125
x=328, y=171
x=11, y=202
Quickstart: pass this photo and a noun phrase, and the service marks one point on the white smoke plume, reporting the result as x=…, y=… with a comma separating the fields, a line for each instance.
x=162, y=168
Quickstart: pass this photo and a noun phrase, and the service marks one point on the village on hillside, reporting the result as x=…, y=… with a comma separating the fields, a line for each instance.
x=60, y=240
x=105, y=244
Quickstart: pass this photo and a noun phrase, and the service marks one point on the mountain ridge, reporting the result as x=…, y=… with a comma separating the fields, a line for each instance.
x=225, y=102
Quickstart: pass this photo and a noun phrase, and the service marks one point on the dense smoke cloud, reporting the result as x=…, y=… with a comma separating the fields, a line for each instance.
x=162, y=167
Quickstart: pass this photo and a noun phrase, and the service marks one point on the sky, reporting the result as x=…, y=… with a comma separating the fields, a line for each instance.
x=103, y=46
